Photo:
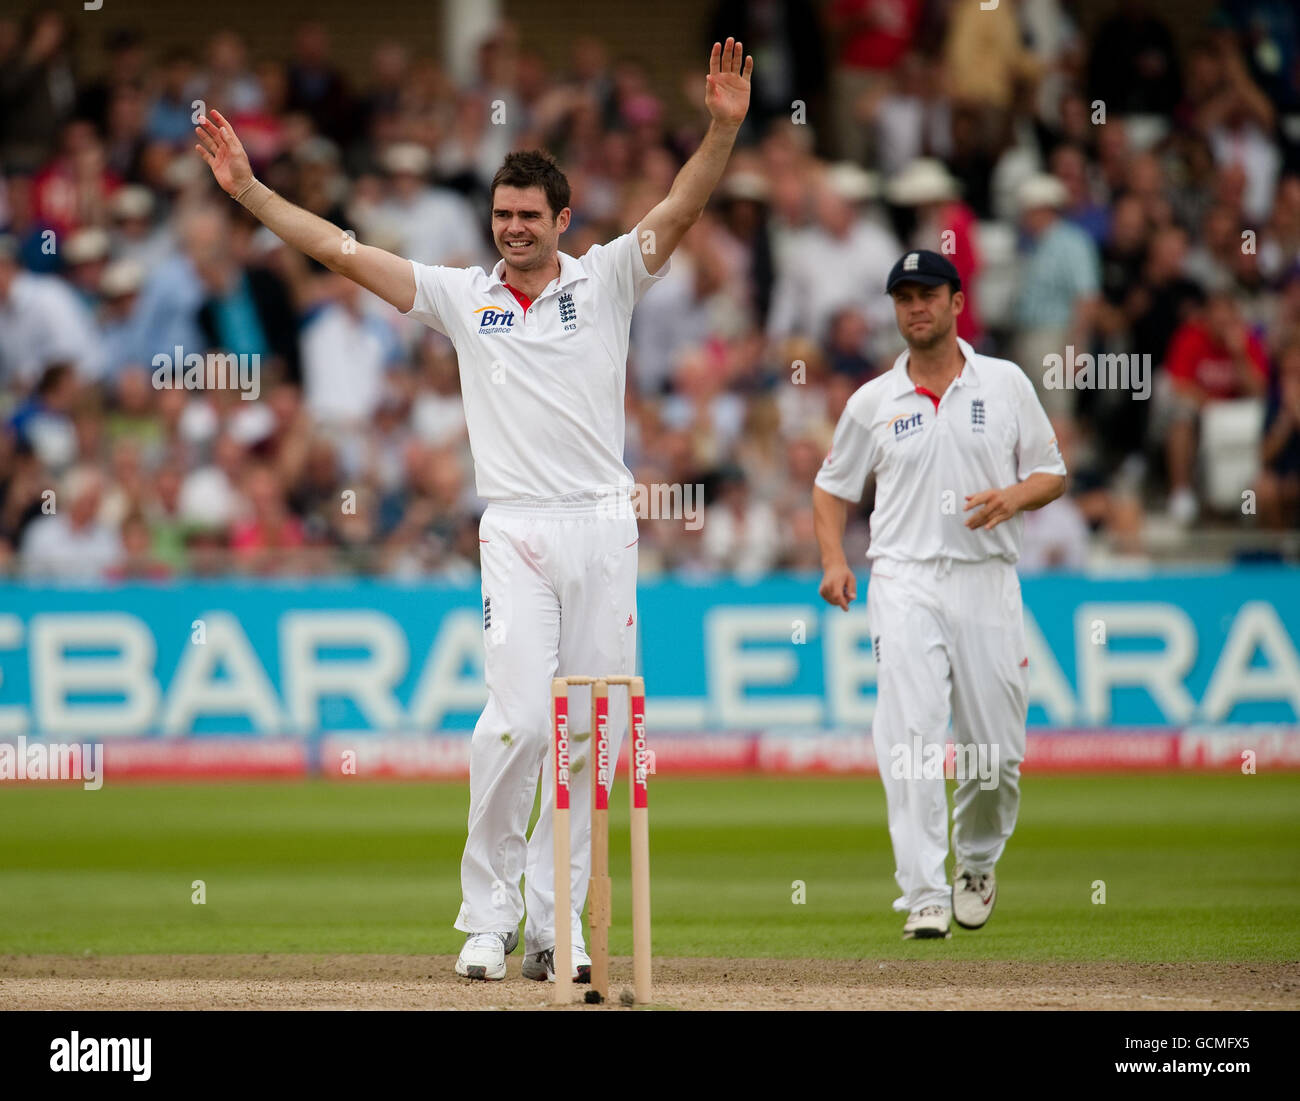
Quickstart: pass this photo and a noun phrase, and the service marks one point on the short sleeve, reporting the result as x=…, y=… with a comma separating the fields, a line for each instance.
x=432, y=283
x=1037, y=451
x=850, y=460
x=620, y=266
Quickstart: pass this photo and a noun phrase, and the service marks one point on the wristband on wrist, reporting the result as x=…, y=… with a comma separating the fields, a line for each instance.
x=253, y=196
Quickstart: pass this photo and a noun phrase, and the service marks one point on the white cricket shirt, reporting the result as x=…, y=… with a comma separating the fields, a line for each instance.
x=542, y=387
x=988, y=431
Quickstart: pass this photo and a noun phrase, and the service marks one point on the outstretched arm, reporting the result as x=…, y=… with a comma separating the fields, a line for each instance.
x=388, y=276
x=727, y=98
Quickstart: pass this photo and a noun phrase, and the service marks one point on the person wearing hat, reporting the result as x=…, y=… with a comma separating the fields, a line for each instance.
x=959, y=446
x=1059, y=283
x=42, y=321
x=829, y=265
x=927, y=187
x=434, y=225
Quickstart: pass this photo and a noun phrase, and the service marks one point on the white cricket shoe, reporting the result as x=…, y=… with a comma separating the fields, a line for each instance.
x=581, y=964
x=484, y=955
x=541, y=965
x=973, y=896
x=927, y=923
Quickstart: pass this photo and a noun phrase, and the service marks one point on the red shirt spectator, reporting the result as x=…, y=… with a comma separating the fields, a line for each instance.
x=875, y=33
x=1197, y=357
x=73, y=189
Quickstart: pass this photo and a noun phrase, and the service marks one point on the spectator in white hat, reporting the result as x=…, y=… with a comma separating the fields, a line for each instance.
x=121, y=322
x=433, y=225
x=945, y=225
x=1058, y=287
x=42, y=321
x=133, y=233
x=72, y=544
x=841, y=260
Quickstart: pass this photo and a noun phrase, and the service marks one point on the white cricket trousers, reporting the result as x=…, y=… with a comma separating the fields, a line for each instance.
x=559, y=599
x=949, y=642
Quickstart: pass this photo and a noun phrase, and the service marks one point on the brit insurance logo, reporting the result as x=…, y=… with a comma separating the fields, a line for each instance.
x=494, y=320
x=903, y=425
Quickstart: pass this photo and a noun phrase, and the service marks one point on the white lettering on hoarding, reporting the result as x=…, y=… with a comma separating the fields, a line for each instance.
x=1159, y=672
x=369, y=682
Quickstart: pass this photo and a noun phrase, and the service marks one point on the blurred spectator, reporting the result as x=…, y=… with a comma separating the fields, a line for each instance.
x=702, y=294
x=345, y=353
x=246, y=309
x=267, y=530
x=133, y=234
x=229, y=82
x=138, y=561
x=988, y=66
x=847, y=343
x=84, y=258
x=1059, y=281
x=741, y=534
x=944, y=224
x=121, y=327
x=1269, y=34
x=744, y=210
x=911, y=119
x=127, y=60
x=1211, y=358
x=843, y=259
x=873, y=37
x=1055, y=538
x=1070, y=166
x=1134, y=68
x=37, y=91
x=41, y=322
x=73, y=189
x=171, y=111
x=1236, y=119
x=316, y=87
x=789, y=56
x=43, y=424
x=1278, y=488
x=432, y=225
x=72, y=544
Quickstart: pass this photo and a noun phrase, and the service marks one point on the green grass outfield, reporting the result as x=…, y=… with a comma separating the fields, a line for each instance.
x=1196, y=867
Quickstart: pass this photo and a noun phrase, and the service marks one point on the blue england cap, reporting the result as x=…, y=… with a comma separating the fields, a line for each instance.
x=923, y=266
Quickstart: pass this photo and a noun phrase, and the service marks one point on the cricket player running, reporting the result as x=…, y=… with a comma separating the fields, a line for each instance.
x=944, y=428
x=541, y=343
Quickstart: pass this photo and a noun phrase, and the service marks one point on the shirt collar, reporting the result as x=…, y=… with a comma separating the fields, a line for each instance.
x=571, y=271
x=967, y=376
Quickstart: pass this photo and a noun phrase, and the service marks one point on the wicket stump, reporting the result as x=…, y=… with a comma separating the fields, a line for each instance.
x=602, y=780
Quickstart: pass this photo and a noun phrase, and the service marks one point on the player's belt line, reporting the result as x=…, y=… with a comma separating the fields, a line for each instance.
x=610, y=505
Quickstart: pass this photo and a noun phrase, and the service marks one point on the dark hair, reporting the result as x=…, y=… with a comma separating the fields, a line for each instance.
x=52, y=377
x=534, y=168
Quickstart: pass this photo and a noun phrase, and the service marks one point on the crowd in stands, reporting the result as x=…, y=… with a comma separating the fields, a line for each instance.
x=1115, y=191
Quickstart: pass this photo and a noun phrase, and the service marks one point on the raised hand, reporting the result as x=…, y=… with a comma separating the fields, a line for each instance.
x=224, y=154
x=727, y=95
